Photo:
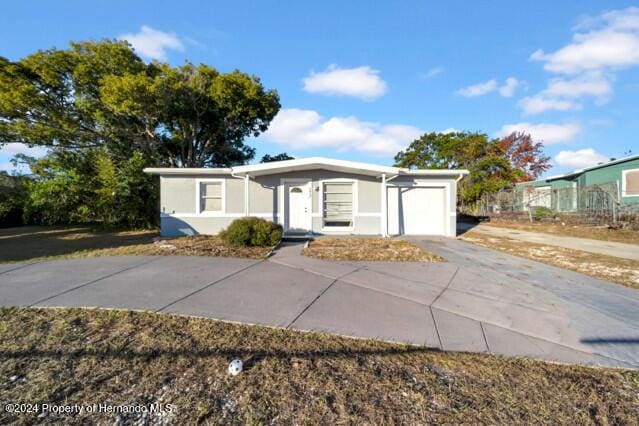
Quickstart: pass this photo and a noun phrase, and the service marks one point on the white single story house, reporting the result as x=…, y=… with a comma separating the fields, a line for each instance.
x=310, y=195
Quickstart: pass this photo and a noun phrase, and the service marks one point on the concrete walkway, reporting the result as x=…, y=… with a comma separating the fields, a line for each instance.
x=479, y=301
x=609, y=248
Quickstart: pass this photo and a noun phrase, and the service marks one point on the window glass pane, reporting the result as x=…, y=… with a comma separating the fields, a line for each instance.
x=632, y=182
x=210, y=189
x=339, y=197
x=211, y=204
x=344, y=223
x=339, y=187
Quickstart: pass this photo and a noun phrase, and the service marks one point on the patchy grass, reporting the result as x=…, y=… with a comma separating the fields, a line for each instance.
x=43, y=243
x=620, y=271
x=580, y=231
x=128, y=358
x=368, y=249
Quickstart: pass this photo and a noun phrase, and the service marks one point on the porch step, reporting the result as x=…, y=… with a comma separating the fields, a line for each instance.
x=302, y=238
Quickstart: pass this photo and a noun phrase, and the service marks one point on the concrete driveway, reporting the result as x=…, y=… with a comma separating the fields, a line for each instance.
x=479, y=301
x=608, y=248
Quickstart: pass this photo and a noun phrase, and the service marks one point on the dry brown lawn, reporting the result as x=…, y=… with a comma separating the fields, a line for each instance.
x=368, y=249
x=580, y=231
x=614, y=269
x=69, y=356
x=42, y=243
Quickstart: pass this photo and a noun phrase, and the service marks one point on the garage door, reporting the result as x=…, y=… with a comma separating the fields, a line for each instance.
x=417, y=211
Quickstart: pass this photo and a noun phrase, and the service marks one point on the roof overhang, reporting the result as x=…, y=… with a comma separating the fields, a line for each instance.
x=305, y=164
x=187, y=171
x=314, y=163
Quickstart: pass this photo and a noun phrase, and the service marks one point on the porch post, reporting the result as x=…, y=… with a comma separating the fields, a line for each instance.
x=384, y=218
x=246, y=195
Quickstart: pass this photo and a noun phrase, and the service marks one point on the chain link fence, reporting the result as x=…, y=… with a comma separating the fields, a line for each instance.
x=588, y=204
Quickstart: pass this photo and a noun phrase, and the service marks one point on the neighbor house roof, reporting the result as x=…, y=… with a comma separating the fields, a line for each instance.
x=585, y=169
x=311, y=163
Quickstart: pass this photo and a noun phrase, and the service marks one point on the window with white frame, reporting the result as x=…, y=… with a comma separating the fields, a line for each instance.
x=338, y=204
x=630, y=187
x=210, y=197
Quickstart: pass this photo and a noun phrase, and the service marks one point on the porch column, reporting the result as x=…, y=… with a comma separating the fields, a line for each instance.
x=384, y=217
x=246, y=195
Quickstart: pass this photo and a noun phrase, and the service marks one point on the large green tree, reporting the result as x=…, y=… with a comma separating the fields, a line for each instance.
x=105, y=115
x=191, y=116
x=267, y=158
x=101, y=94
x=490, y=163
x=52, y=97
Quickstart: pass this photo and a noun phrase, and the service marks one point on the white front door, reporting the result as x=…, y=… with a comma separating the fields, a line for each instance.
x=299, y=207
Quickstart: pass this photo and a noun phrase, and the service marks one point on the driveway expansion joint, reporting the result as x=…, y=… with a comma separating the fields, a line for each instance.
x=19, y=267
x=318, y=296
x=210, y=285
x=445, y=288
x=483, y=333
x=95, y=280
x=439, y=336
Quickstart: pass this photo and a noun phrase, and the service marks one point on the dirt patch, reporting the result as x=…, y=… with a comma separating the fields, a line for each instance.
x=602, y=233
x=69, y=356
x=198, y=245
x=42, y=243
x=614, y=269
x=368, y=249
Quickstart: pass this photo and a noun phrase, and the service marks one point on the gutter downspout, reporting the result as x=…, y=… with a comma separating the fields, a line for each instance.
x=246, y=178
x=460, y=177
x=384, y=198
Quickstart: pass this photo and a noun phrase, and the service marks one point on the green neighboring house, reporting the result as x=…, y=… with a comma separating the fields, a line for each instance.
x=618, y=178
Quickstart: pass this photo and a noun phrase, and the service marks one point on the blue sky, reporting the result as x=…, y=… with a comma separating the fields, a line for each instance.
x=359, y=80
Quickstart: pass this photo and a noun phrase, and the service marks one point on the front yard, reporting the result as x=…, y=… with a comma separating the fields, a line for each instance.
x=614, y=269
x=67, y=356
x=368, y=249
x=42, y=243
x=602, y=233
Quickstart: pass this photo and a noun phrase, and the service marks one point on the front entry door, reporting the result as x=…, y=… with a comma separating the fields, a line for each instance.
x=299, y=207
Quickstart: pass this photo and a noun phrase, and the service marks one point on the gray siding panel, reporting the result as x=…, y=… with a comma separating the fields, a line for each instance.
x=367, y=225
x=234, y=195
x=263, y=194
x=176, y=226
x=177, y=195
x=369, y=197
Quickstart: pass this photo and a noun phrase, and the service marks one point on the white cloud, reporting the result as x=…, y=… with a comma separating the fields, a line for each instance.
x=152, y=43
x=588, y=84
x=479, y=89
x=13, y=148
x=580, y=158
x=431, y=73
x=449, y=130
x=508, y=89
x=362, y=82
x=560, y=93
x=547, y=133
x=609, y=41
x=306, y=129
x=540, y=103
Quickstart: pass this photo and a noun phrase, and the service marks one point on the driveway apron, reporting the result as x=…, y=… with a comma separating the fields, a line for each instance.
x=478, y=300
